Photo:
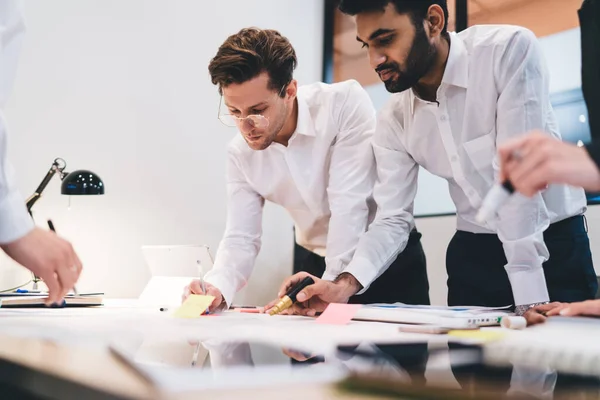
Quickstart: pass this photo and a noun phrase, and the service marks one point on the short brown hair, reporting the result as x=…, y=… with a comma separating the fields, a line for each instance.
x=249, y=53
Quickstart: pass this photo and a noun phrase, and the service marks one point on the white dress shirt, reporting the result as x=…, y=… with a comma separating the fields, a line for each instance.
x=324, y=178
x=15, y=222
x=495, y=87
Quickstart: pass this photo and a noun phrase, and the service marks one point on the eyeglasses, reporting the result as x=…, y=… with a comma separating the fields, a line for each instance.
x=251, y=121
x=246, y=123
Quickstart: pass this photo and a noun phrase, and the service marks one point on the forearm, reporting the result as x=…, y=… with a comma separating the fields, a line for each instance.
x=521, y=229
x=348, y=283
x=233, y=266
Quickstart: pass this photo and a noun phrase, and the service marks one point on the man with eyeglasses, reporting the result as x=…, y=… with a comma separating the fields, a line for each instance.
x=309, y=150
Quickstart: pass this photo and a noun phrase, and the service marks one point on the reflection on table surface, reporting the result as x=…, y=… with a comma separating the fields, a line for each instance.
x=414, y=370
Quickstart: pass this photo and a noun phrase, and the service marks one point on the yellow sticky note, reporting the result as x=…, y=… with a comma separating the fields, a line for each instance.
x=194, y=306
x=480, y=335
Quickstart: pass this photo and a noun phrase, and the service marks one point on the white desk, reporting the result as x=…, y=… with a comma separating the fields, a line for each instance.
x=153, y=337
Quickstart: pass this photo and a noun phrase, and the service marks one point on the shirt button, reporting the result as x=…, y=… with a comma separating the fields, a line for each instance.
x=453, y=158
x=443, y=118
x=471, y=192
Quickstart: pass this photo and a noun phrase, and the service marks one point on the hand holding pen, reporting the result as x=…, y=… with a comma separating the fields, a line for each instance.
x=49, y=257
x=198, y=286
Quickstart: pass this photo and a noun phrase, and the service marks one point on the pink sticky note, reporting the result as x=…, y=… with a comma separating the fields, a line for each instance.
x=338, y=314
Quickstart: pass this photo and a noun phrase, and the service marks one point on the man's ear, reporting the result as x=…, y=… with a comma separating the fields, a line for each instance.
x=435, y=20
x=292, y=89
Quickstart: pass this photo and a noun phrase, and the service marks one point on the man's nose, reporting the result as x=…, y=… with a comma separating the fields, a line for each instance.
x=376, y=58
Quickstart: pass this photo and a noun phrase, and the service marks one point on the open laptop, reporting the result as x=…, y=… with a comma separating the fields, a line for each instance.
x=171, y=269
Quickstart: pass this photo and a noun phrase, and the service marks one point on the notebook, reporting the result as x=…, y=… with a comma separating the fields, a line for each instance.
x=447, y=317
x=22, y=300
x=568, y=345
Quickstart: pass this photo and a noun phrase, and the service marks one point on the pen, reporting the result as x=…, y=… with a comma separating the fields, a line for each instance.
x=27, y=291
x=51, y=226
x=290, y=297
x=497, y=195
x=195, y=356
x=492, y=202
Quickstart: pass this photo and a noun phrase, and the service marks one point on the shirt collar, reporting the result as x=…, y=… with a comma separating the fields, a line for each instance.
x=456, y=72
x=457, y=66
x=304, y=125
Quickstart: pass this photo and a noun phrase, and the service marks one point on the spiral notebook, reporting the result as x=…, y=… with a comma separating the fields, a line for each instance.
x=568, y=345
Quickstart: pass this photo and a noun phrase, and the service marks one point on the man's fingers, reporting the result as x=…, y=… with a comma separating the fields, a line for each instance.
x=270, y=305
x=543, y=308
x=54, y=288
x=291, y=281
x=67, y=277
x=557, y=310
x=213, y=291
x=534, y=318
x=196, y=287
x=311, y=290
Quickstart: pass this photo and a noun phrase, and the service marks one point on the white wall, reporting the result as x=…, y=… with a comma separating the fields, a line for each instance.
x=122, y=88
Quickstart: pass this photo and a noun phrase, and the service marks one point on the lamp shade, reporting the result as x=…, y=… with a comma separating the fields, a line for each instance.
x=82, y=182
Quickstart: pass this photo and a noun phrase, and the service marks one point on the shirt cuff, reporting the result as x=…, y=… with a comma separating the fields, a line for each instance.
x=364, y=271
x=15, y=221
x=528, y=286
x=221, y=281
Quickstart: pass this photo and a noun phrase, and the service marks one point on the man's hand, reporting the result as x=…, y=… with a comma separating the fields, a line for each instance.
x=537, y=315
x=49, y=257
x=589, y=308
x=195, y=287
x=543, y=160
x=316, y=297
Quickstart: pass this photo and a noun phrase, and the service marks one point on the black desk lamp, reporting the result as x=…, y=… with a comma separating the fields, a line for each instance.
x=76, y=183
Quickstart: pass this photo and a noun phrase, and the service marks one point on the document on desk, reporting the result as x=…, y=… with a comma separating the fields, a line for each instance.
x=448, y=317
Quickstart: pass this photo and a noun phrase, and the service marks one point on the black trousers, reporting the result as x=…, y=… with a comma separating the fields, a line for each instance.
x=404, y=281
x=476, y=274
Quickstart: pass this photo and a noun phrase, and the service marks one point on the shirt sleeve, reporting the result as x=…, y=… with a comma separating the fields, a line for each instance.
x=523, y=105
x=15, y=222
x=242, y=239
x=394, y=193
x=351, y=179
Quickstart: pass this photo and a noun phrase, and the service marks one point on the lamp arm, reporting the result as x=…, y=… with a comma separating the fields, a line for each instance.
x=59, y=166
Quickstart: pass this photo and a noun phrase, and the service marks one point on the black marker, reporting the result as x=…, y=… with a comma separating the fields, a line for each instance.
x=290, y=297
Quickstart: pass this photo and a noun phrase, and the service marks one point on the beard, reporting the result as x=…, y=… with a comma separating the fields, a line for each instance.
x=266, y=138
x=419, y=62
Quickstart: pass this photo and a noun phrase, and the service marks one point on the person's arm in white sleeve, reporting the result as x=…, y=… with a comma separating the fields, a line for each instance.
x=351, y=179
x=15, y=222
x=523, y=106
x=242, y=239
x=394, y=193
x=42, y=252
